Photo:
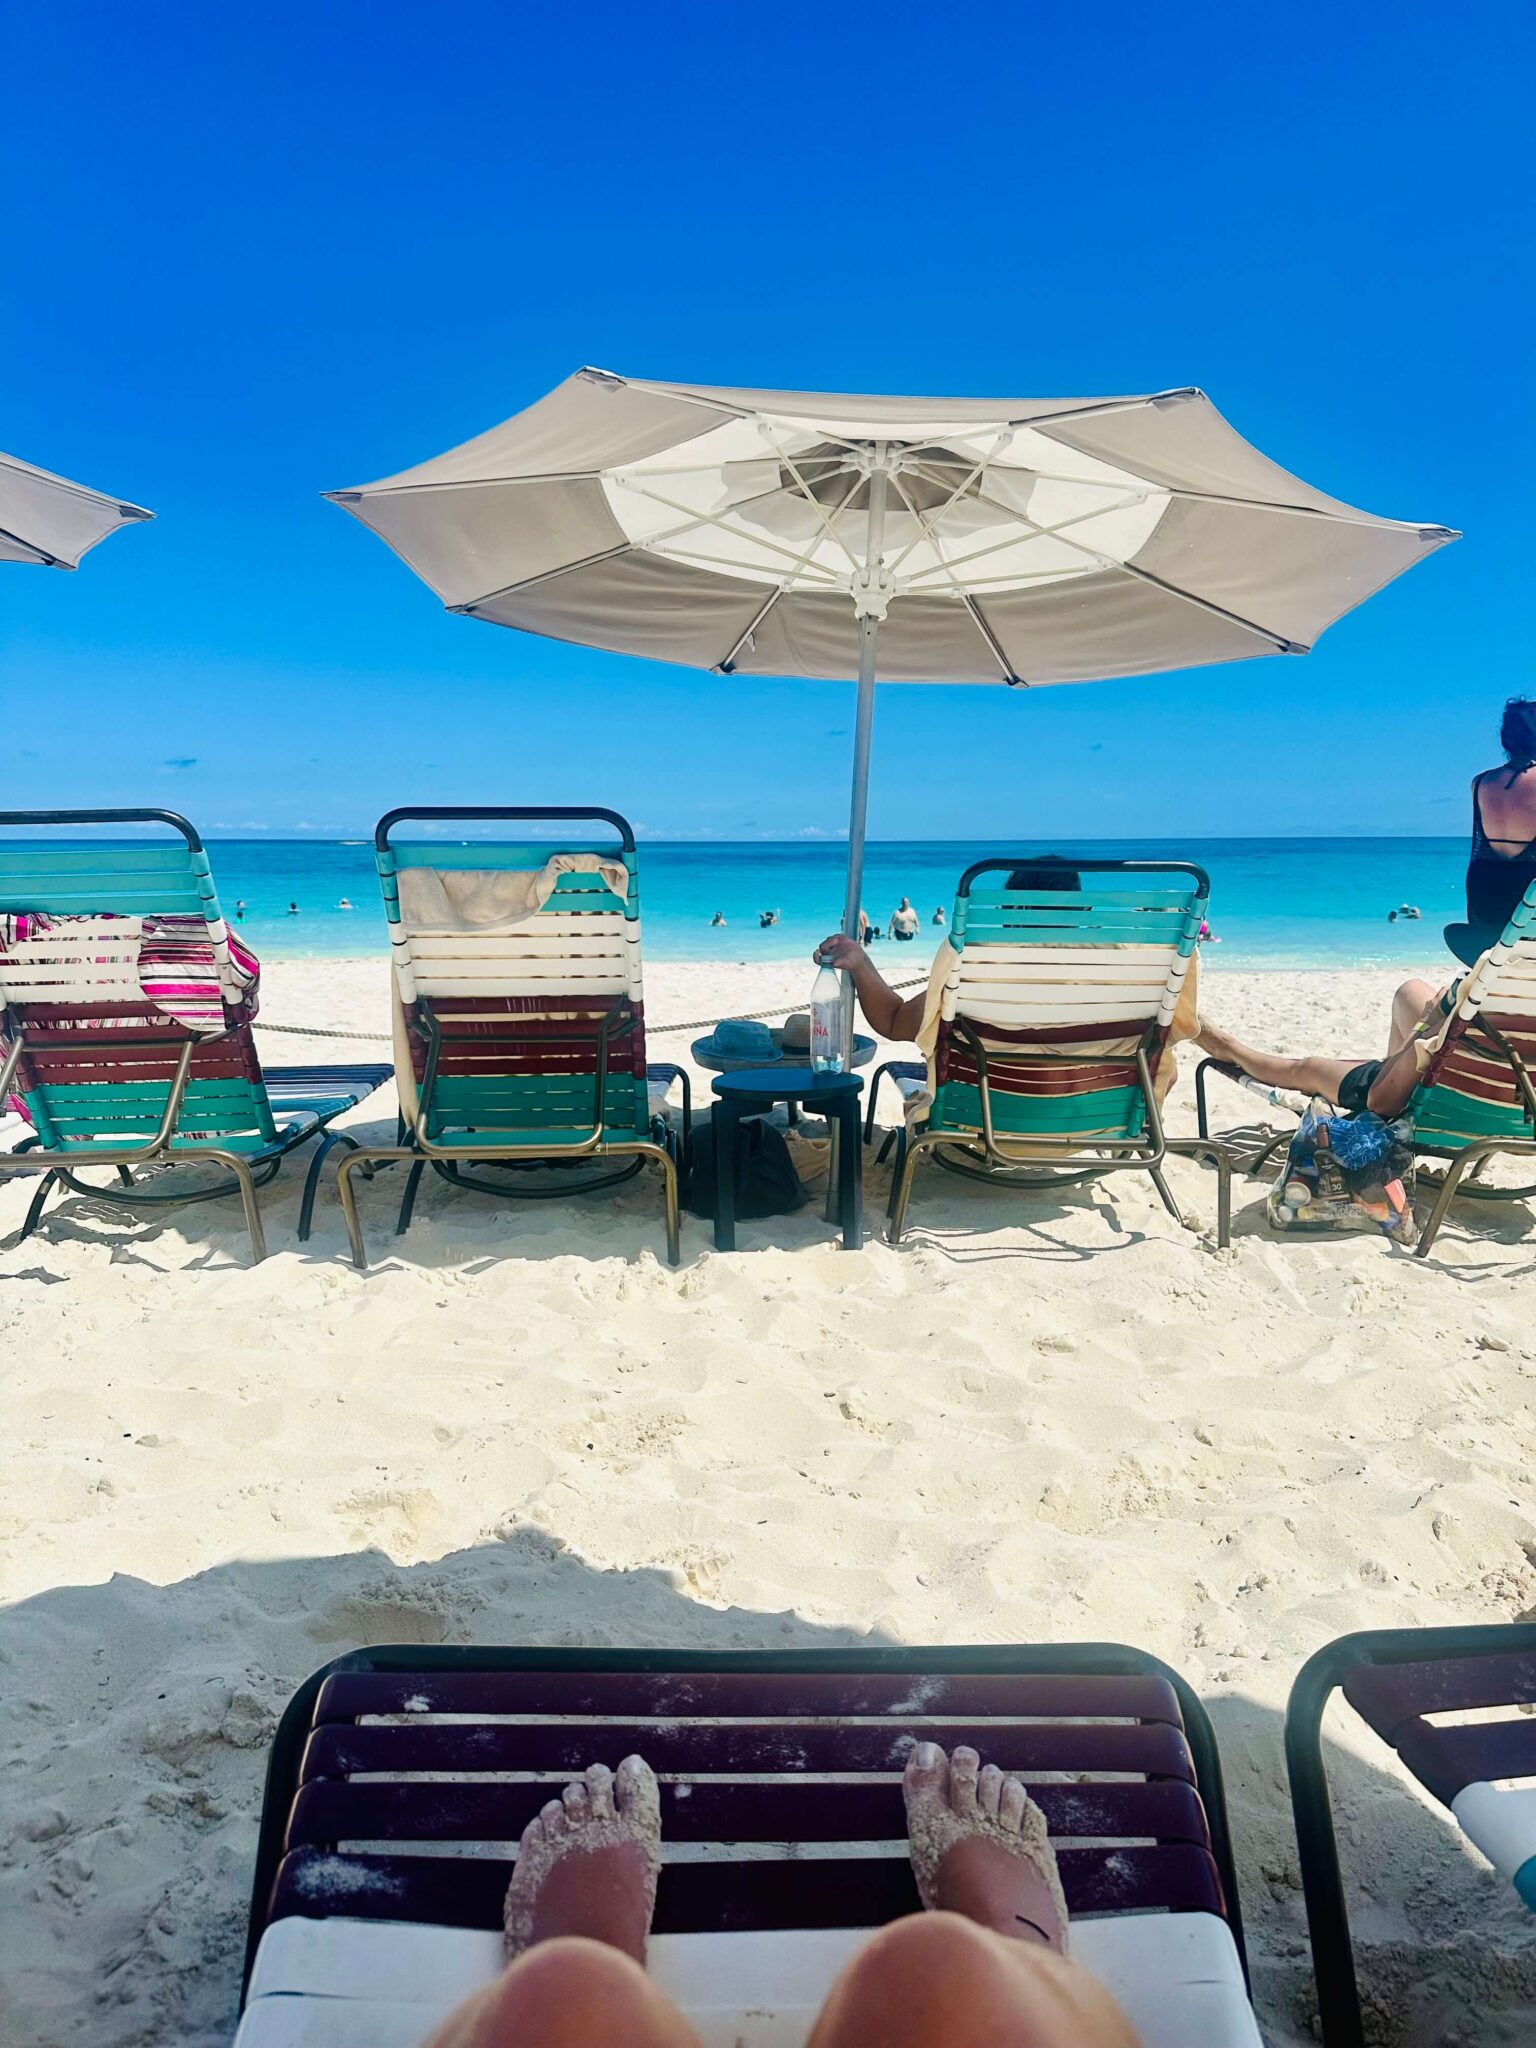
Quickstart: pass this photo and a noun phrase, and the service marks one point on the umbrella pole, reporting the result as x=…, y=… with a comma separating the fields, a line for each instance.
x=869, y=603
x=864, y=718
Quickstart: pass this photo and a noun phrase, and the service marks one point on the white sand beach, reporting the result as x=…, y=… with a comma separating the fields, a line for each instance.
x=1047, y=1418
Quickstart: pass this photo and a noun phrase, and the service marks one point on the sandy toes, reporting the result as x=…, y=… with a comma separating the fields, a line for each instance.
x=979, y=1846
x=588, y=1863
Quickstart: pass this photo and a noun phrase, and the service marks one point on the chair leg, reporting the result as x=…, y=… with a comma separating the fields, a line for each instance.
x=124, y=1177
x=349, y=1209
x=408, y=1199
x=723, y=1135
x=1465, y=1160
x=1160, y=1182
x=670, y=1195
x=35, y=1208
x=248, y=1201
x=901, y=1187
x=1219, y=1156
x=850, y=1163
x=312, y=1179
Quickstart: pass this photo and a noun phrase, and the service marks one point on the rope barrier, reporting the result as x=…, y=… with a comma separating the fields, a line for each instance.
x=652, y=1030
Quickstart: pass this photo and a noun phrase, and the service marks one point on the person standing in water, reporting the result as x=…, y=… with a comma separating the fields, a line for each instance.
x=938, y=913
x=904, y=920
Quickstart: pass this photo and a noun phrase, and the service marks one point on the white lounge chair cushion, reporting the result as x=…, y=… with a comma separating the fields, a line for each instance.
x=1501, y=1820
x=371, y=1984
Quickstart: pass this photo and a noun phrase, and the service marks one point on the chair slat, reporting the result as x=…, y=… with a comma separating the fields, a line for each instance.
x=337, y=1811
x=1389, y=1694
x=855, y=1891
x=1154, y=1749
x=755, y=1694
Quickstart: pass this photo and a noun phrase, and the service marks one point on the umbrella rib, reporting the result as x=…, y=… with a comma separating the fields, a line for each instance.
x=727, y=666
x=1037, y=531
x=45, y=560
x=544, y=576
x=696, y=520
x=542, y=476
x=63, y=483
x=1306, y=512
x=928, y=526
x=816, y=505
x=1013, y=680
x=1075, y=412
x=1277, y=640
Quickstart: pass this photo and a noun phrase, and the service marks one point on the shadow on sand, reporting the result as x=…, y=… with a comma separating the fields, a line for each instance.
x=137, y=1719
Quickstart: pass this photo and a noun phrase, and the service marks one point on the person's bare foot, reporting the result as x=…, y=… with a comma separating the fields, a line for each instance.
x=1221, y=1045
x=979, y=1846
x=587, y=1864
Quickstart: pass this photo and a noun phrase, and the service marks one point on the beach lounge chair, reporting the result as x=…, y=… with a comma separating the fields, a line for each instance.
x=1406, y=1683
x=1055, y=1019
x=401, y=1778
x=1477, y=1097
x=520, y=1027
x=109, y=1077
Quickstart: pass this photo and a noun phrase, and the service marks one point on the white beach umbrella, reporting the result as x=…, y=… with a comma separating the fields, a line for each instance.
x=1006, y=540
x=47, y=519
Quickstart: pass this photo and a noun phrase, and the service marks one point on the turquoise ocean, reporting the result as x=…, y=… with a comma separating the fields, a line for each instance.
x=1274, y=902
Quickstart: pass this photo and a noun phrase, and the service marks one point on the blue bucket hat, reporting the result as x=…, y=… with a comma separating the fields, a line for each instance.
x=738, y=1043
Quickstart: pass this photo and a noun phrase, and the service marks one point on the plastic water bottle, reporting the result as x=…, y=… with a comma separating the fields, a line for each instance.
x=826, y=1022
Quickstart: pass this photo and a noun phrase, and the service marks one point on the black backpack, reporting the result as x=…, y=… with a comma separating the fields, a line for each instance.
x=766, y=1181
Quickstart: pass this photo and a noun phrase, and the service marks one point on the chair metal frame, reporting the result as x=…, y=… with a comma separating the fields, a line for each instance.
x=1322, y=1879
x=986, y=1157
x=1087, y=1660
x=247, y=1172
x=417, y=1149
x=1463, y=1160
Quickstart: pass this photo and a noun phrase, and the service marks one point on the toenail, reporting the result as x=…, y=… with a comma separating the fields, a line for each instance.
x=927, y=1755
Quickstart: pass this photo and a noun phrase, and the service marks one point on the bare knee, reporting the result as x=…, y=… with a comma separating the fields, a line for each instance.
x=924, y=1944
x=567, y=1990
x=941, y=1979
x=1412, y=999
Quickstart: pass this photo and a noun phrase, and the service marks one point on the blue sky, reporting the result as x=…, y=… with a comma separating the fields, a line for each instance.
x=263, y=253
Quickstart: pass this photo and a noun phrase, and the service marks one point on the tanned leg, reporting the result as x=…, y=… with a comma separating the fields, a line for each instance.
x=983, y=1967
x=577, y=1915
x=1307, y=1073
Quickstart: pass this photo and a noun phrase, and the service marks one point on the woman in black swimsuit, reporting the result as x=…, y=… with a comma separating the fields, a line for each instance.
x=1503, y=862
x=1501, y=868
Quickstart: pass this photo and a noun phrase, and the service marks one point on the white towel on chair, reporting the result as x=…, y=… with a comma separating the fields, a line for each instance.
x=494, y=899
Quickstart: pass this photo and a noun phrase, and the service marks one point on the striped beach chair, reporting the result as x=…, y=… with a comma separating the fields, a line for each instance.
x=526, y=1042
x=1477, y=1097
x=108, y=1077
x=1458, y=1705
x=1055, y=1019
x=401, y=1778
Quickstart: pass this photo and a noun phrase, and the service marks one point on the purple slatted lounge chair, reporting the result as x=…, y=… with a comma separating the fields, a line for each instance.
x=401, y=1778
x=1396, y=1679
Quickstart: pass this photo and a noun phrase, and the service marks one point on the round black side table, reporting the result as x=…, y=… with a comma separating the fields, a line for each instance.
x=754, y=1093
